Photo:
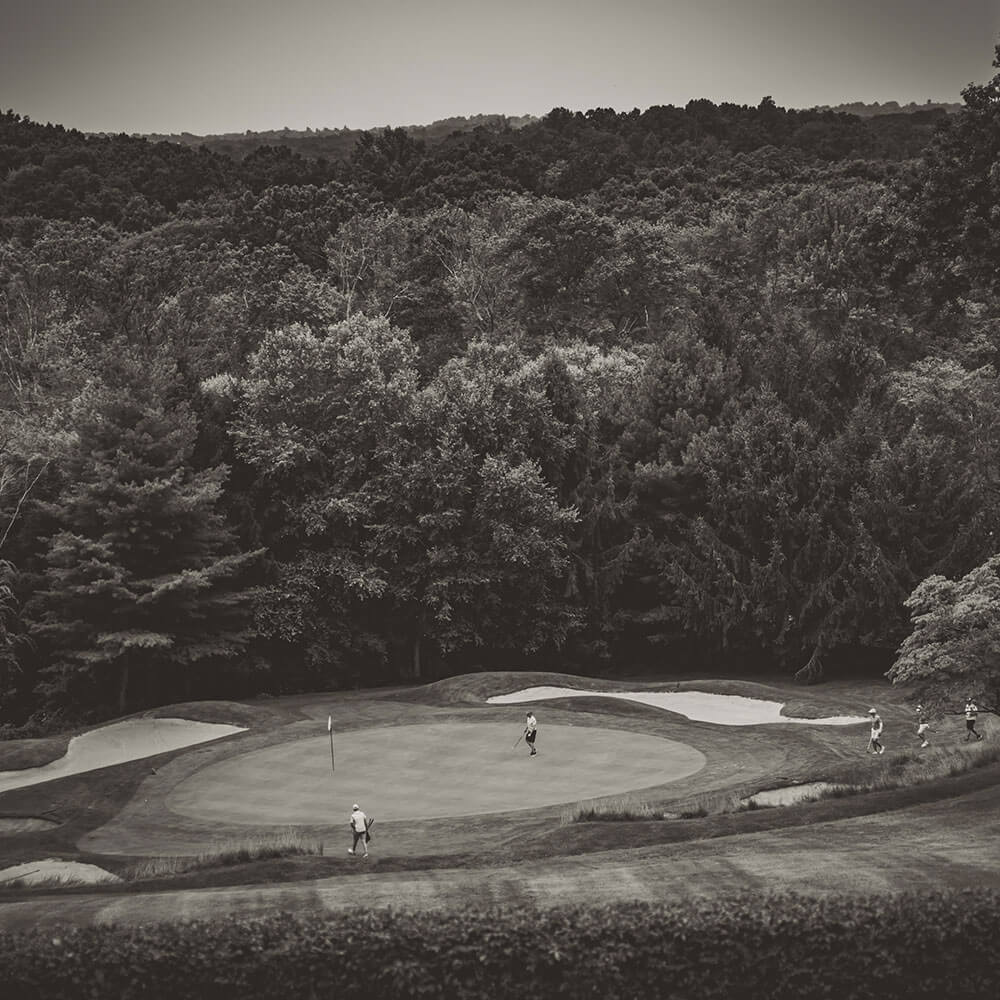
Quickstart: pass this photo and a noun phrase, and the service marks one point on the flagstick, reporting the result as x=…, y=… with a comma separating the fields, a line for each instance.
x=329, y=727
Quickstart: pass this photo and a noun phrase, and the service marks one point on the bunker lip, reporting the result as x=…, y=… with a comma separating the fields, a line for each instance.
x=698, y=706
x=118, y=743
x=55, y=870
x=25, y=824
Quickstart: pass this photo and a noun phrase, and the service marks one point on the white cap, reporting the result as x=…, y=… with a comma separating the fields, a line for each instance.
x=871, y=711
x=355, y=806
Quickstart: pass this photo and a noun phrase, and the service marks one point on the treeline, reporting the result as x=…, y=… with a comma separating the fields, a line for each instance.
x=335, y=143
x=662, y=155
x=702, y=385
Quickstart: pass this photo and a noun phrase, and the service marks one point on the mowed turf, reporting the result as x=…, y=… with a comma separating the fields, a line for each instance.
x=429, y=772
x=942, y=835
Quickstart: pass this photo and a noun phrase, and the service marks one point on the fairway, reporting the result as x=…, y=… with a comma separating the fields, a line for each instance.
x=428, y=772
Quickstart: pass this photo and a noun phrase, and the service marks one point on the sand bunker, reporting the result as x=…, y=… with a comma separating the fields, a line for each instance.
x=699, y=706
x=53, y=871
x=789, y=795
x=25, y=824
x=118, y=743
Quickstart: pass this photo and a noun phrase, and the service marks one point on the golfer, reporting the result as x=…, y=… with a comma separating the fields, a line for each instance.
x=359, y=827
x=530, y=732
x=875, y=743
x=923, y=725
x=971, y=711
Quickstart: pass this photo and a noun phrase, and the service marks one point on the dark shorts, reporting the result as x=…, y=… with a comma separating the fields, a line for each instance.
x=970, y=723
x=530, y=737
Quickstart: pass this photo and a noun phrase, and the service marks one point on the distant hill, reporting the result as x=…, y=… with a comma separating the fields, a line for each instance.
x=876, y=109
x=336, y=143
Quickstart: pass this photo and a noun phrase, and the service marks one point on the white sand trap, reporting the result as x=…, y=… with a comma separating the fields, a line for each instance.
x=25, y=824
x=53, y=871
x=118, y=743
x=788, y=795
x=699, y=706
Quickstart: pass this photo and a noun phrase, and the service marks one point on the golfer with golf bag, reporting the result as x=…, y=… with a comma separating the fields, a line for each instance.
x=875, y=740
x=360, y=825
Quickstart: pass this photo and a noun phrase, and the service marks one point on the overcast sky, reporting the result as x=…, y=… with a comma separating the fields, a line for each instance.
x=209, y=66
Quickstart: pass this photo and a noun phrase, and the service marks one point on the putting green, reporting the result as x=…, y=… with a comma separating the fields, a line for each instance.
x=428, y=772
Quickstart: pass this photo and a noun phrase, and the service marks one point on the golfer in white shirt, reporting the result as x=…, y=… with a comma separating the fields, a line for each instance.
x=359, y=827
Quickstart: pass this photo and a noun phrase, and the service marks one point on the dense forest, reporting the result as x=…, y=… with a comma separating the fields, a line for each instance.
x=662, y=390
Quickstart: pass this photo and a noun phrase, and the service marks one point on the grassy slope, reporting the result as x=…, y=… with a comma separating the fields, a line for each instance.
x=750, y=758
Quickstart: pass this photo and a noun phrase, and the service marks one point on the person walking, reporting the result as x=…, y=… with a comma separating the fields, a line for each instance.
x=923, y=725
x=971, y=711
x=359, y=827
x=875, y=741
x=530, y=732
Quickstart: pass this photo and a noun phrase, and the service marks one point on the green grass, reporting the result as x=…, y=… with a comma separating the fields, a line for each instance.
x=740, y=760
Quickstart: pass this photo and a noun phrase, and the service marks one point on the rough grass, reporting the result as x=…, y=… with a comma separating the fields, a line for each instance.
x=909, y=768
x=18, y=754
x=903, y=769
x=623, y=808
x=280, y=844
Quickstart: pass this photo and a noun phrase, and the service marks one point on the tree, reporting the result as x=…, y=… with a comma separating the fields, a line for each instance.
x=10, y=670
x=140, y=580
x=952, y=238
x=318, y=415
x=410, y=516
x=471, y=534
x=953, y=650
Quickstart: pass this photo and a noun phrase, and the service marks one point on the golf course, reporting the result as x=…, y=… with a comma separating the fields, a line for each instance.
x=626, y=801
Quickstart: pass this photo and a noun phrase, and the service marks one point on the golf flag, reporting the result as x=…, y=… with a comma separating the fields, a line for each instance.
x=329, y=729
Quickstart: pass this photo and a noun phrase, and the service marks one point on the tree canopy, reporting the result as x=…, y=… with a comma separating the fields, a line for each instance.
x=601, y=391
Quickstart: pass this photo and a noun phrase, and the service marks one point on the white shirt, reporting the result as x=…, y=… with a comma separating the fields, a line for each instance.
x=358, y=821
x=530, y=724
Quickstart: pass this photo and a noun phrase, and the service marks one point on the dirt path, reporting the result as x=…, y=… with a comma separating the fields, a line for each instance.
x=950, y=843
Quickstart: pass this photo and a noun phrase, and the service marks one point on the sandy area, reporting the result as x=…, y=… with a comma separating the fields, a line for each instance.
x=53, y=870
x=25, y=824
x=789, y=795
x=699, y=706
x=116, y=744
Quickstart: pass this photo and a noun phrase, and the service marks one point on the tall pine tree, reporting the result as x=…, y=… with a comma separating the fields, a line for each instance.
x=141, y=581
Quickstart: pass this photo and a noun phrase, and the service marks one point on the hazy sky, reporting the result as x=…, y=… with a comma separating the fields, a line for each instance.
x=208, y=66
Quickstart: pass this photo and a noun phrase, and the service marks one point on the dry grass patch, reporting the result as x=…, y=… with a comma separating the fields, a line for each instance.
x=623, y=808
x=282, y=844
x=909, y=768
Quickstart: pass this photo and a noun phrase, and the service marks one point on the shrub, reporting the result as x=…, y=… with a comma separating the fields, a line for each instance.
x=785, y=947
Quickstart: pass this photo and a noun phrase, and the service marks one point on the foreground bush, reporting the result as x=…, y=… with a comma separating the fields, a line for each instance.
x=926, y=945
